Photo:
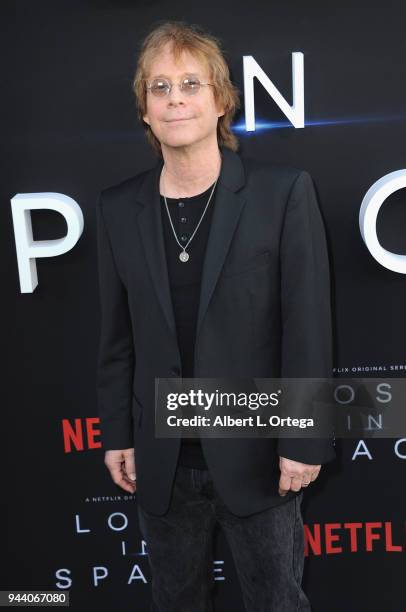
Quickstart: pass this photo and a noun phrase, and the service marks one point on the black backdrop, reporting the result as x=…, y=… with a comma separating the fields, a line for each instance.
x=70, y=127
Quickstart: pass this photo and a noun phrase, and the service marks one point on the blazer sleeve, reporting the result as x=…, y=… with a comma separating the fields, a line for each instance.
x=115, y=364
x=306, y=342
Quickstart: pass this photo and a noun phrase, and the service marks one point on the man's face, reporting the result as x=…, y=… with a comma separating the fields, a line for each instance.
x=179, y=119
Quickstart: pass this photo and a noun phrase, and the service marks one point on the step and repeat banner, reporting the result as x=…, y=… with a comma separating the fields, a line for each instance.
x=71, y=129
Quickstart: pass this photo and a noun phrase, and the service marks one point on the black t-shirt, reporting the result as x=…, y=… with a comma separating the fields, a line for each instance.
x=185, y=282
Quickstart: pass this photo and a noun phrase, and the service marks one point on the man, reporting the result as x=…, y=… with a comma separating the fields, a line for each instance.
x=209, y=266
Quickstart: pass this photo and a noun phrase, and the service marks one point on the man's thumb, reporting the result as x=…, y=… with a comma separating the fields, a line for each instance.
x=130, y=469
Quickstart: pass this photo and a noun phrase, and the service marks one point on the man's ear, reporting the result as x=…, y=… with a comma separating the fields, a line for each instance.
x=220, y=110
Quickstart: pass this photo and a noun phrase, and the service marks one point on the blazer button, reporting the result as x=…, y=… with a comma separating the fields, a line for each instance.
x=175, y=371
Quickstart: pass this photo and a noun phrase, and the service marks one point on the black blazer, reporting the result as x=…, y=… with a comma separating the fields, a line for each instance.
x=264, y=312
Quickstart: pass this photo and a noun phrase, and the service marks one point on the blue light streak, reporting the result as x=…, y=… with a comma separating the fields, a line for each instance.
x=261, y=126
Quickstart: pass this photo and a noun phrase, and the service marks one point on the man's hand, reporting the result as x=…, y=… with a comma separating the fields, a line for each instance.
x=295, y=475
x=121, y=465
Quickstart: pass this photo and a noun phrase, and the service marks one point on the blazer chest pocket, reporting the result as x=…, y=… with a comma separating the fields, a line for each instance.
x=137, y=411
x=236, y=268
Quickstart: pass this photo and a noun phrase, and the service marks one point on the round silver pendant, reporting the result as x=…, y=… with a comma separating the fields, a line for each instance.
x=184, y=256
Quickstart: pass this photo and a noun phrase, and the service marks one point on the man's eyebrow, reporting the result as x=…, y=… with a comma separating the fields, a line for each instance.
x=165, y=76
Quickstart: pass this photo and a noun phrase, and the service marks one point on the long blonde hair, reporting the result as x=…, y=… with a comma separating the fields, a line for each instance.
x=205, y=48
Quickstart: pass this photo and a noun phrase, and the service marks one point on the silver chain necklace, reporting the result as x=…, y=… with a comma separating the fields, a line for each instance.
x=184, y=255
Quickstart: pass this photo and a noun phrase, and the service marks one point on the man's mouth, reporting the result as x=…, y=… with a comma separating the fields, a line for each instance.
x=178, y=119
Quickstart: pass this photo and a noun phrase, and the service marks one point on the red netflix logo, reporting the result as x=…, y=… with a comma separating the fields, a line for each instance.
x=336, y=538
x=82, y=434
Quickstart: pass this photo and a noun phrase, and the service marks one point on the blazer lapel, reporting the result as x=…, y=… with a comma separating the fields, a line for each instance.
x=150, y=225
x=227, y=210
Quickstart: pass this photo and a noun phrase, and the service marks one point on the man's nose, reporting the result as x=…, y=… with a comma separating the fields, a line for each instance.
x=175, y=95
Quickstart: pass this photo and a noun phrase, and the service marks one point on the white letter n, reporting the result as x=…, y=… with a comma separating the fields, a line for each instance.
x=294, y=113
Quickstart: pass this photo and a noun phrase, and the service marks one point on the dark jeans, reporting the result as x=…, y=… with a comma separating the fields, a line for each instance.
x=267, y=548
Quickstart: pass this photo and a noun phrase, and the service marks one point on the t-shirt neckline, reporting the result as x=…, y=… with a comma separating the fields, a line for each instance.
x=191, y=198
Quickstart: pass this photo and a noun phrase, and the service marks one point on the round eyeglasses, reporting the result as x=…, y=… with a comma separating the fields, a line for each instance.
x=161, y=87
